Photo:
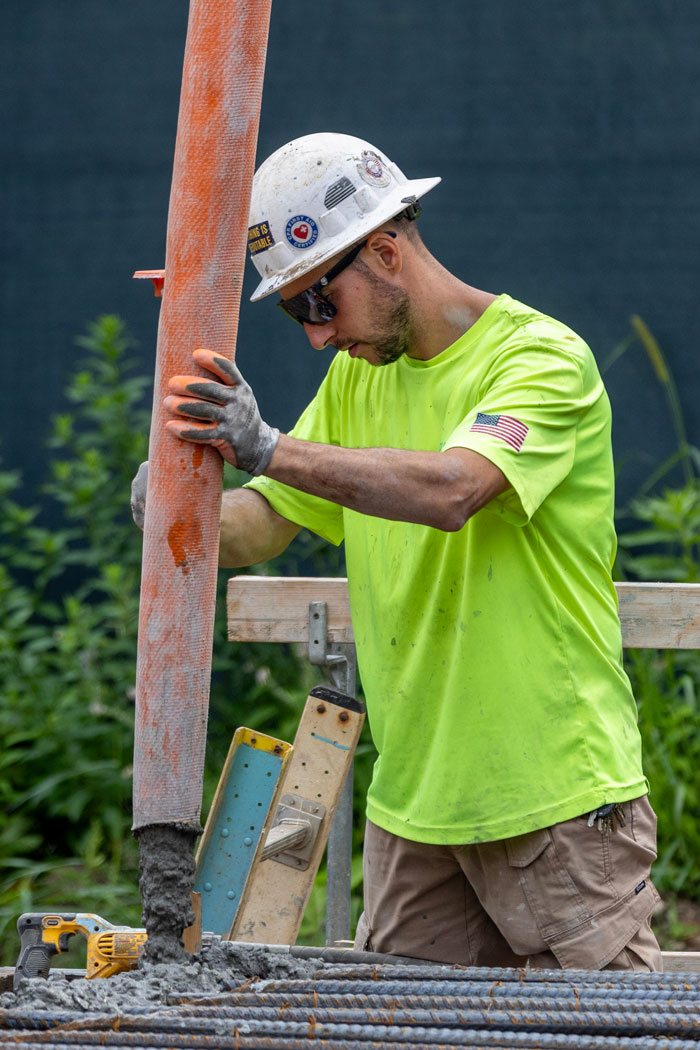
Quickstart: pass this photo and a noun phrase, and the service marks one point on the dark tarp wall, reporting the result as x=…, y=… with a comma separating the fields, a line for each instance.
x=567, y=136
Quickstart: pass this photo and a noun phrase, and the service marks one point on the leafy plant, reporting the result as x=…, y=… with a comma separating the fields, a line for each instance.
x=663, y=546
x=68, y=614
x=666, y=547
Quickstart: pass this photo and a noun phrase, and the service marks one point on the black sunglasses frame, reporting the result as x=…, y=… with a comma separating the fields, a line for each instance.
x=311, y=306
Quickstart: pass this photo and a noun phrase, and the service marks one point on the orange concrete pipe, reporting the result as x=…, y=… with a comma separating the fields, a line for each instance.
x=205, y=256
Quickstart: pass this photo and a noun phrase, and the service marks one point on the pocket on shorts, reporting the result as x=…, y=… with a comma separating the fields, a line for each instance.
x=552, y=895
x=580, y=933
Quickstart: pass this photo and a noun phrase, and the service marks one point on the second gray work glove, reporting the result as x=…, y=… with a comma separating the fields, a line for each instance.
x=224, y=415
x=138, y=495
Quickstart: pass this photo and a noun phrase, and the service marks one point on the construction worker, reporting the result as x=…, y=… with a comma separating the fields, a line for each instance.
x=460, y=447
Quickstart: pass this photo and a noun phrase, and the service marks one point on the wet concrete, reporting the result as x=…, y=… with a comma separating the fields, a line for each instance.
x=220, y=966
x=167, y=867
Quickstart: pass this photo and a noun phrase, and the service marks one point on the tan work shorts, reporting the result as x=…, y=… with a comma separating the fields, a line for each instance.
x=569, y=896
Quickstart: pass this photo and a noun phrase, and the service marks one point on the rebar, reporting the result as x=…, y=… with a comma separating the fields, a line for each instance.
x=460, y=989
x=242, y=1040
x=429, y=972
x=375, y=995
x=391, y=1024
x=407, y=1000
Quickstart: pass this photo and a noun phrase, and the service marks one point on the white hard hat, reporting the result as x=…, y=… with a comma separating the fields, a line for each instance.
x=316, y=196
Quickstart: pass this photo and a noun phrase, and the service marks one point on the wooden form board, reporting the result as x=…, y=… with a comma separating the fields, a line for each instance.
x=276, y=609
x=239, y=819
x=659, y=615
x=681, y=962
x=276, y=895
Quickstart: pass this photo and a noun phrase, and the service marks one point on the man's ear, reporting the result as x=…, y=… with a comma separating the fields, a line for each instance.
x=385, y=252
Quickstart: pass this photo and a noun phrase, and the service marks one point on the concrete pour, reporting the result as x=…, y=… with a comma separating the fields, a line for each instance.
x=167, y=873
x=219, y=967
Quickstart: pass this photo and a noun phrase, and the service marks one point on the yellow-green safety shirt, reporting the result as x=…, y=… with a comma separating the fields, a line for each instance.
x=491, y=657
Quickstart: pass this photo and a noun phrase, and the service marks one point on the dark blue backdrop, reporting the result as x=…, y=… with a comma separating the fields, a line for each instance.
x=567, y=136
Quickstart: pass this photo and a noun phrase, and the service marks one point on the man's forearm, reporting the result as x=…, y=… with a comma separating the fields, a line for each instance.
x=251, y=531
x=440, y=489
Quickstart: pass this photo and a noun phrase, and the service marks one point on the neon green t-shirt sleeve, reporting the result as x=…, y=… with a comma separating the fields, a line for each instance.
x=526, y=421
x=318, y=422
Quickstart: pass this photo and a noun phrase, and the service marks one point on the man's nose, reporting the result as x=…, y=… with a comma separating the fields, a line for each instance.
x=320, y=335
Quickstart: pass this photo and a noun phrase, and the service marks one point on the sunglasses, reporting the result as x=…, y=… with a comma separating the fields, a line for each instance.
x=311, y=306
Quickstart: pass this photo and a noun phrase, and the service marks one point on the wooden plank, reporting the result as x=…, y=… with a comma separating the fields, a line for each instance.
x=681, y=962
x=276, y=894
x=660, y=615
x=276, y=609
x=192, y=935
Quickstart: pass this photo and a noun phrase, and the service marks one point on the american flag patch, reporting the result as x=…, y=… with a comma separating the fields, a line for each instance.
x=510, y=430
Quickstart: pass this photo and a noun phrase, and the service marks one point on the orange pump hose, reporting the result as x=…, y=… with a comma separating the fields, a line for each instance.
x=205, y=256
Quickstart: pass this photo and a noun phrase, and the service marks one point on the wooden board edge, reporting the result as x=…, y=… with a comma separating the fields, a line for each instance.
x=681, y=962
x=652, y=615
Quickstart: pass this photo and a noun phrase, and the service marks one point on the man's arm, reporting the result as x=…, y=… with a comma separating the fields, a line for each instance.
x=440, y=489
x=251, y=531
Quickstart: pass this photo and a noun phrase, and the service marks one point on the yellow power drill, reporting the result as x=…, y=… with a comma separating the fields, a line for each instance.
x=110, y=949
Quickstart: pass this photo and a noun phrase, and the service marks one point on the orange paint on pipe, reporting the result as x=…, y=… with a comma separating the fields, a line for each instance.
x=205, y=257
x=197, y=458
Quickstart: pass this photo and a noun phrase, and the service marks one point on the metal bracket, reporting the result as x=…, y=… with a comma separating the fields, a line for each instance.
x=158, y=278
x=337, y=659
x=302, y=818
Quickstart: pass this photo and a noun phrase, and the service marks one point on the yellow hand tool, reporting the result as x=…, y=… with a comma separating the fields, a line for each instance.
x=110, y=949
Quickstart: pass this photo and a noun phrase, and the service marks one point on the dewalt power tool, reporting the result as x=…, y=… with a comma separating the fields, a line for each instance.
x=110, y=949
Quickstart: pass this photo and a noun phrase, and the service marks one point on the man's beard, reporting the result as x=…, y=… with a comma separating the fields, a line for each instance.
x=396, y=341
x=390, y=316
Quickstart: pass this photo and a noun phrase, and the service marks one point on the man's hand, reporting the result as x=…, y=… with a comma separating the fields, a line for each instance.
x=138, y=495
x=251, y=531
x=224, y=415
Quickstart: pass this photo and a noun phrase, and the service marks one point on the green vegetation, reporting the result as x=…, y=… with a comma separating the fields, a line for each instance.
x=69, y=609
x=68, y=627
x=662, y=544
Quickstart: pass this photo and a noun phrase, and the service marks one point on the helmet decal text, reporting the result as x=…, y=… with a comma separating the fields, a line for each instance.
x=301, y=231
x=259, y=238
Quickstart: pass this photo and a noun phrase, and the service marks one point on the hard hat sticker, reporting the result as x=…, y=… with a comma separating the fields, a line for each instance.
x=338, y=191
x=259, y=238
x=301, y=231
x=372, y=170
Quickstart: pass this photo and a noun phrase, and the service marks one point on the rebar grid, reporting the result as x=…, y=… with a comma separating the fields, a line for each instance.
x=368, y=1007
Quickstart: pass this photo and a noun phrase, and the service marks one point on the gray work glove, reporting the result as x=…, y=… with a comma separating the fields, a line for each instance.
x=224, y=415
x=138, y=495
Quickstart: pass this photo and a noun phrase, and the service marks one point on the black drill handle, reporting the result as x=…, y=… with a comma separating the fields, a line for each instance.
x=34, y=961
x=35, y=954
